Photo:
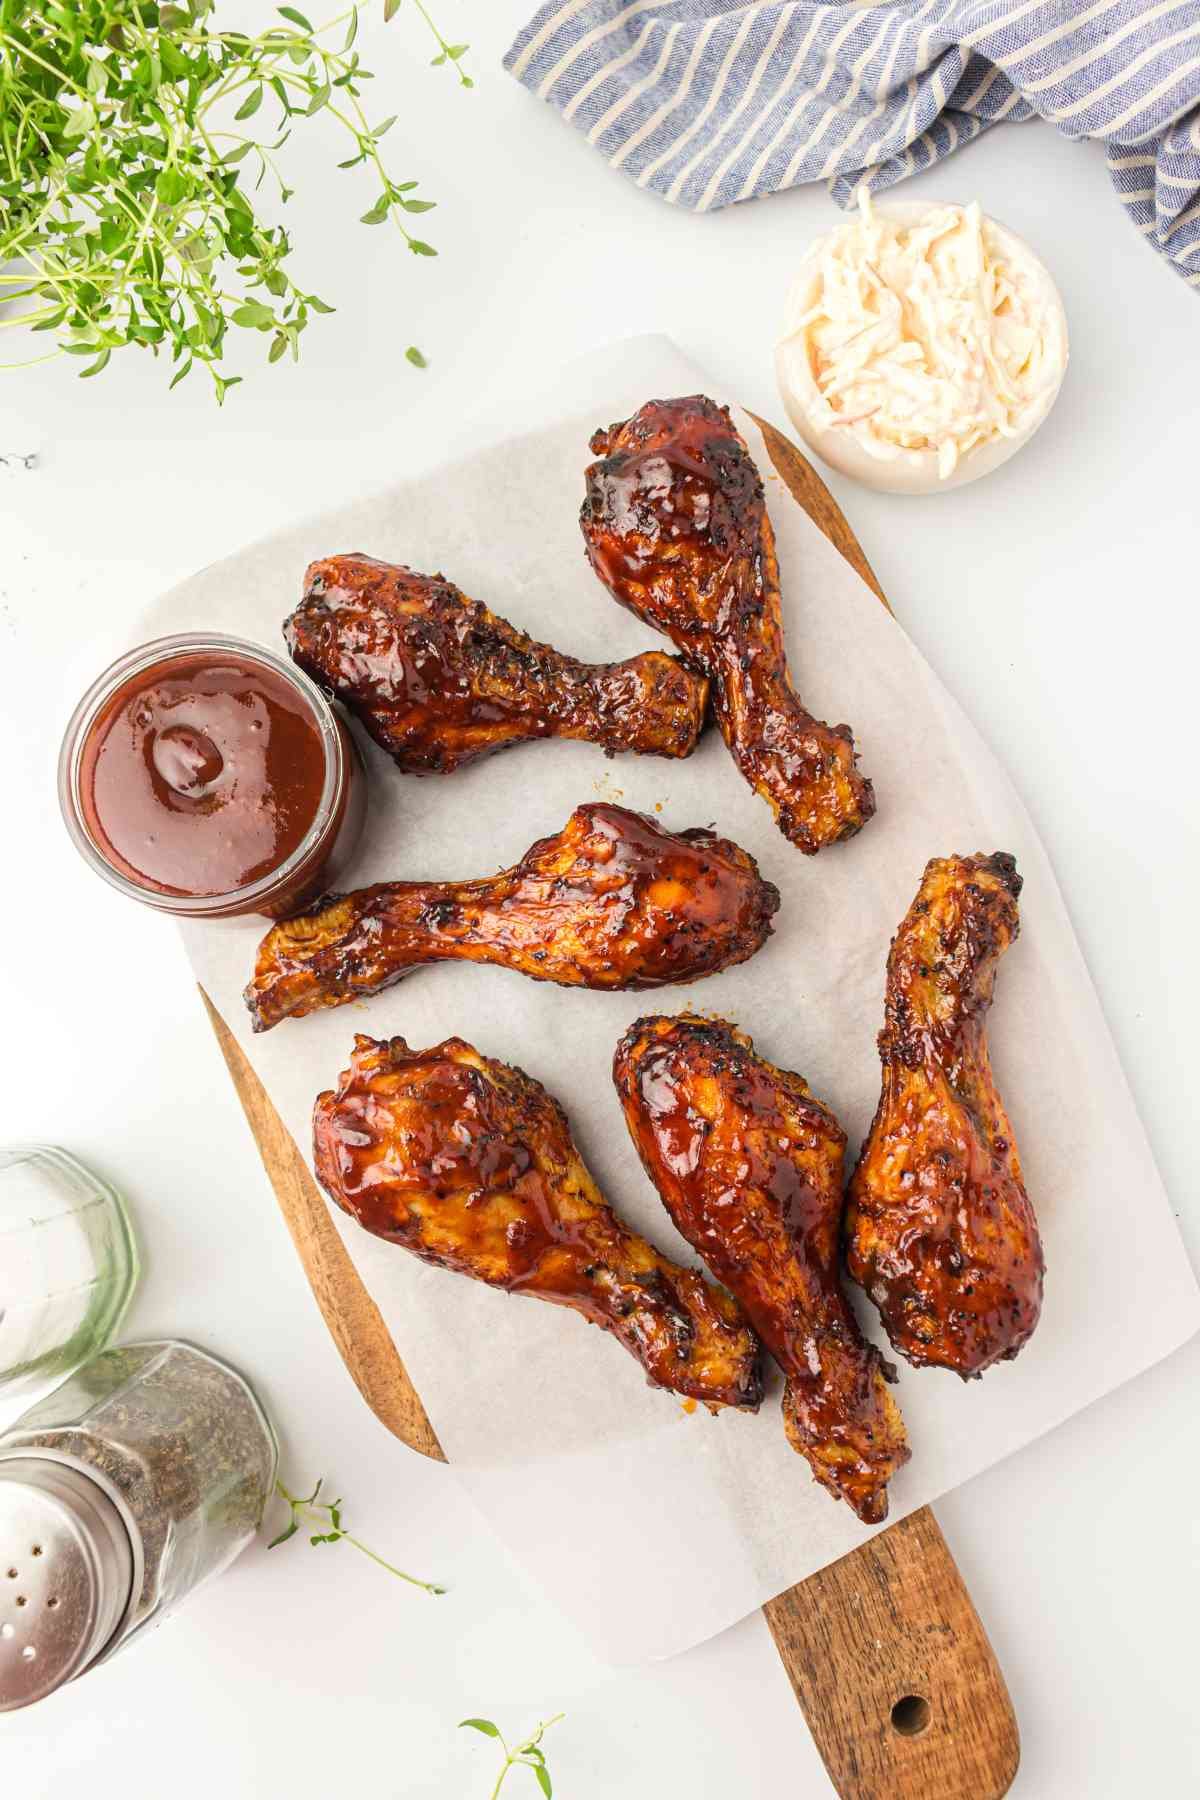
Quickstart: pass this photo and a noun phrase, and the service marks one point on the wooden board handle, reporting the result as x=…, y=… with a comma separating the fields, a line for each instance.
x=894, y=1672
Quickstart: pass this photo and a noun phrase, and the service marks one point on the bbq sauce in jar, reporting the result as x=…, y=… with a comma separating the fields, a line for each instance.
x=207, y=776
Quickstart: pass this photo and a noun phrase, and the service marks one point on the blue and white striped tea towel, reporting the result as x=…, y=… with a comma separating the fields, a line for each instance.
x=707, y=102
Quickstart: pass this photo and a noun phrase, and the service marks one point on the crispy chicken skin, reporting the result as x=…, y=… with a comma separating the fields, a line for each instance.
x=613, y=900
x=438, y=680
x=677, y=530
x=469, y=1163
x=939, y=1230
x=749, y=1166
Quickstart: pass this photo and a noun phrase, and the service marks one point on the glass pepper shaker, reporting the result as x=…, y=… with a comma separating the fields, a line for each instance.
x=68, y=1265
x=144, y=1474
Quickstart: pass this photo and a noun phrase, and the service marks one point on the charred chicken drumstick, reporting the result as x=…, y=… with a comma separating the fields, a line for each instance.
x=749, y=1165
x=470, y=1164
x=677, y=530
x=438, y=680
x=939, y=1229
x=611, y=901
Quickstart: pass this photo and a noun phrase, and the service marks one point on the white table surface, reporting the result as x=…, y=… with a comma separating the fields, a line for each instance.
x=1056, y=599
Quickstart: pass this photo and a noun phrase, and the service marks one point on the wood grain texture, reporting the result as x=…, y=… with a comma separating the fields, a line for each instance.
x=892, y=1626
x=355, y=1322
x=810, y=492
x=892, y=1623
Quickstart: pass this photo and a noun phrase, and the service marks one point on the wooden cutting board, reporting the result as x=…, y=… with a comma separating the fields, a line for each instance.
x=892, y=1668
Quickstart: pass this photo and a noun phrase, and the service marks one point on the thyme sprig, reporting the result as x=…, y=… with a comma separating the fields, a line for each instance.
x=526, y=1754
x=309, y=1509
x=133, y=136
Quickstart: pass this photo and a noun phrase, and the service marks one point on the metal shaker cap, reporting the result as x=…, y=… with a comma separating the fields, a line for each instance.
x=66, y=1574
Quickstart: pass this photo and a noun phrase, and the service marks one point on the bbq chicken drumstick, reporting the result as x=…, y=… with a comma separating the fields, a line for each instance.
x=438, y=680
x=749, y=1165
x=611, y=901
x=939, y=1229
x=470, y=1164
x=677, y=530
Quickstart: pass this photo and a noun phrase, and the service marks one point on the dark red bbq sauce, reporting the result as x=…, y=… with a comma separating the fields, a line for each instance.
x=202, y=774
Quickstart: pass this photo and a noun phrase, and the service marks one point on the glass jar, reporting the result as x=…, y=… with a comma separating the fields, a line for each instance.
x=143, y=1475
x=205, y=776
x=68, y=1265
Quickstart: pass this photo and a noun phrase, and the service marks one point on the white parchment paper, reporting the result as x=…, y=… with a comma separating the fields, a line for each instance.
x=652, y=1527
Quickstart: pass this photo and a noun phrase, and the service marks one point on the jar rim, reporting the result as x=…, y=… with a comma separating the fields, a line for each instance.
x=134, y=662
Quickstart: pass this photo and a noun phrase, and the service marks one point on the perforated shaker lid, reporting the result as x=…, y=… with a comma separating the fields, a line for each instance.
x=66, y=1573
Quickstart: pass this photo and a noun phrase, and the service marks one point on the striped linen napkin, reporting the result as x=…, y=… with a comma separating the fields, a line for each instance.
x=707, y=102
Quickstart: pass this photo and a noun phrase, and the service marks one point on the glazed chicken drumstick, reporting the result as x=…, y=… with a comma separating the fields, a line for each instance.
x=438, y=680
x=470, y=1164
x=939, y=1229
x=611, y=901
x=749, y=1165
x=677, y=530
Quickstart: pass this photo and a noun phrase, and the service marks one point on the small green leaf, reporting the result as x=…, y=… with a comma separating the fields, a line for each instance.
x=415, y=357
x=378, y=213
x=542, y=1775
x=80, y=122
x=390, y=9
x=420, y=249
x=95, y=368
x=381, y=130
x=250, y=104
x=290, y=1530
x=418, y=205
x=223, y=383
x=236, y=154
x=254, y=314
x=294, y=17
x=457, y=50
x=318, y=306
x=186, y=369
x=351, y=29
x=484, y=1725
x=278, y=348
x=171, y=186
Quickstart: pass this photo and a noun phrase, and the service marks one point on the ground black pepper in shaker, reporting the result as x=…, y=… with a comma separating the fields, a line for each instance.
x=140, y=1477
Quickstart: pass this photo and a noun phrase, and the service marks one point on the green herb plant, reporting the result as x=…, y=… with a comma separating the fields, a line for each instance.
x=524, y=1755
x=309, y=1509
x=134, y=136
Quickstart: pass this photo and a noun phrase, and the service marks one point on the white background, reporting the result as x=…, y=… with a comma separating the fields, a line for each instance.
x=1056, y=600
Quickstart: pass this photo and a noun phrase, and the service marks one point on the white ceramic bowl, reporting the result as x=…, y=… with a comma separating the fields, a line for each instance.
x=909, y=471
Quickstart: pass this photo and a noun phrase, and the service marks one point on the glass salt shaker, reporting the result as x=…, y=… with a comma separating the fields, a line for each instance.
x=68, y=1265
x=143, y=1475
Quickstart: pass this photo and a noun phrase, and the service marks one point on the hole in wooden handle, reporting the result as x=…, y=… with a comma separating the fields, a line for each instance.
x=911, y=1715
